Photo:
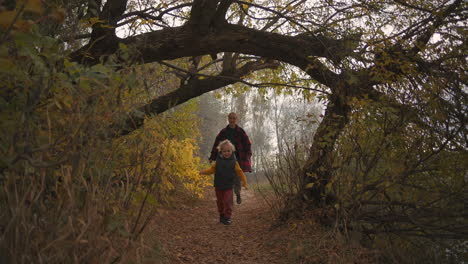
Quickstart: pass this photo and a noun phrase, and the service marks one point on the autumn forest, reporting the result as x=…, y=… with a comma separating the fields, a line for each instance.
x=356, y=109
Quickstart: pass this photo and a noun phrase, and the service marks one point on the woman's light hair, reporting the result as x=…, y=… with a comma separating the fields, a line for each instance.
x=226, y=142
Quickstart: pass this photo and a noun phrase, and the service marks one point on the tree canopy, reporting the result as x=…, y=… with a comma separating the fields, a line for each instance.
x=378, y=50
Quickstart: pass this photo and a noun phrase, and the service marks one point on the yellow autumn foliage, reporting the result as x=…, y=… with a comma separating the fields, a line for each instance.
x=163, y=155
x=182, y=165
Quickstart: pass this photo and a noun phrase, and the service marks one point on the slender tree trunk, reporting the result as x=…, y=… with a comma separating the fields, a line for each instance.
x=278, y=109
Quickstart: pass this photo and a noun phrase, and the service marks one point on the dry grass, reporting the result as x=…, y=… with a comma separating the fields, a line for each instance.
x=69, y=215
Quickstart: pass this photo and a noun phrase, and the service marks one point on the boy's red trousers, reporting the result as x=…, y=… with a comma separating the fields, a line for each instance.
x=224, y=202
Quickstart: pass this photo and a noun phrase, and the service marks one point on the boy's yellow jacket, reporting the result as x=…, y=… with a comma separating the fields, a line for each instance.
x=237, y=169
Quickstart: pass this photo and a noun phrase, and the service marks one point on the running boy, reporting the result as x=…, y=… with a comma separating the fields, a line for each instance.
x=226, y=170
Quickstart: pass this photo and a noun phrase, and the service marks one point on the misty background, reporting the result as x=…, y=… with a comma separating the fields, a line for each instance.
x=273, y=121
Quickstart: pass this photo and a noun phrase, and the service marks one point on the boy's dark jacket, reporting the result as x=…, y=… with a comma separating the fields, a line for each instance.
x=225, y=171
x=242, y=144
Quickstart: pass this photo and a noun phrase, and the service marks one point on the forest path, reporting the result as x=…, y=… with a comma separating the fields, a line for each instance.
x=194, y=235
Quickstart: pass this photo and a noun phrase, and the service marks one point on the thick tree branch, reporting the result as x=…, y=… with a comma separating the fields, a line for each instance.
x=194, y=88
x=424, y=38
x=202, y=15
x=219, y=17
x=173, y=43
x=103, y=39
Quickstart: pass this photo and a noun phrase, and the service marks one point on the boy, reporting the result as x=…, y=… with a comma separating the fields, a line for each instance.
x=226, y=170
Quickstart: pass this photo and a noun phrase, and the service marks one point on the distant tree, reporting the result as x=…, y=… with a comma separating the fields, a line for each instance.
x=260, y=133
x=298, y=121
x=213, y=119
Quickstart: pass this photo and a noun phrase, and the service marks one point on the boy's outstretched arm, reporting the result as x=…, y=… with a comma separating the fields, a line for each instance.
x=241, y=175
x=209, y=170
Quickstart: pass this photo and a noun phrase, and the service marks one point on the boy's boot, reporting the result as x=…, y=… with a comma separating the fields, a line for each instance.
x=237, y=191
x=226, y=221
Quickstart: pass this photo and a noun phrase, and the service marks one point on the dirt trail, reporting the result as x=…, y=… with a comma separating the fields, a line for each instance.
x=194, y=235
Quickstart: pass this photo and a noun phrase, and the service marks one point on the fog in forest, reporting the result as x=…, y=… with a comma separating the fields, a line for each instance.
x=274, y=123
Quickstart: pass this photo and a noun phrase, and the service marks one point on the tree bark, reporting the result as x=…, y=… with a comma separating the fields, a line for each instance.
x=178, y=42
x=319, y=167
